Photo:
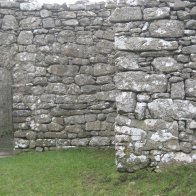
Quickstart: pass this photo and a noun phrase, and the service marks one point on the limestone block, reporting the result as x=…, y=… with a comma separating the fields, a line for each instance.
x=192, y=124
x=93, y=126
x=126, y=14
x=191, y=24
x=169, y=109
x=103, y=69
x=67, y=15
x=189, y=49
x=127, y=61
x=7, y=38
x=150, y=3
x=177, y=90
x=30, y=6
x=84, y=79
x=30, y=23
x=55, y=127
x=193, y=11
x=80, y=142
x=48, y=23
x=45, y=13
x=140, y=81
x=26, y=57
x=143, y=44
x=156, y=13
x=9, y=23
x=77, y=119
x=166, y=64
x=21, y=143
x=186, y=147
x=140, y=110
x=66, y=36
x=71, y=22
x=166, y=28
x=25, y=38
x=126, y=102
x=190, y=87
x=99, y=141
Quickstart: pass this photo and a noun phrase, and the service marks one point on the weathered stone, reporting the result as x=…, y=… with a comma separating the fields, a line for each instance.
x=186, y=147
x=192, y=124
x=177, y=90
x=77, y=119
x=126, y=101
x=48, y=23
x=25, y=37
x=191, y=24
x=190, y=87
x=71, y=22
x=25, y=57
x=140, y=110
x=127, y=61
x=30, y=6
x=193, y=11
x=80, y=142
x=21, y=143
x=166, y=28
x=67, y=15
x=156, y=13
x=103, y=69
x=66, y=36
x=169, y=109
x=83, y=79
x=7, y=38
x=126, y=14
x=166, y=64
x=189, y=49
x=143, y=44
x=55, y=127
x=9, y=22
x=140, y=81
x=176, y=157
x=79, y=51
x=93, y=126
x=30, y=23
x=45, y=13
x=142, y=2
x=99, y=141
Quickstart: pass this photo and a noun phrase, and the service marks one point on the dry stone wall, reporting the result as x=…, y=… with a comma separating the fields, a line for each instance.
x=79, y=70
x=156, y=60
x=61, y=59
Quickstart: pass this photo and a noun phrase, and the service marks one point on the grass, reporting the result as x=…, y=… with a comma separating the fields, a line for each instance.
x=86, y=172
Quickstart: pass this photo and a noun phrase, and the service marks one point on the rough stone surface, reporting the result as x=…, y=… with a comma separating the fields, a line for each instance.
x=143, y=44
x=140, y=81
x=80, y=69
x=166, y=28
x=166, y=64
x=126, y=14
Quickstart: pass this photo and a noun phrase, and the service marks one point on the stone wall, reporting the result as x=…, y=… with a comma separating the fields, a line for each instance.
x=61, y=59
x=156, y=60
x=79, y=70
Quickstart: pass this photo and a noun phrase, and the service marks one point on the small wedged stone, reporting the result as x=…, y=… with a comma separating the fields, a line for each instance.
x=190, y=87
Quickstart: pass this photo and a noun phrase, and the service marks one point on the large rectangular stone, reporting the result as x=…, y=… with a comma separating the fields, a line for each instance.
x=166, y=28
x=139, y=81
x=169, y=109
x=126, y=14
x=143, y=44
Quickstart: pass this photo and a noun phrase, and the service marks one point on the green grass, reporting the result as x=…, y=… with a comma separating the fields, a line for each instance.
x=86, y=172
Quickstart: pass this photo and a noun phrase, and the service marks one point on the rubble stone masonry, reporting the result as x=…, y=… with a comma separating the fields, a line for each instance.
x=108, y=74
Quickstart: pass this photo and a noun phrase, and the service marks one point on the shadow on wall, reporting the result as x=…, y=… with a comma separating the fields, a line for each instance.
x=6, y=130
